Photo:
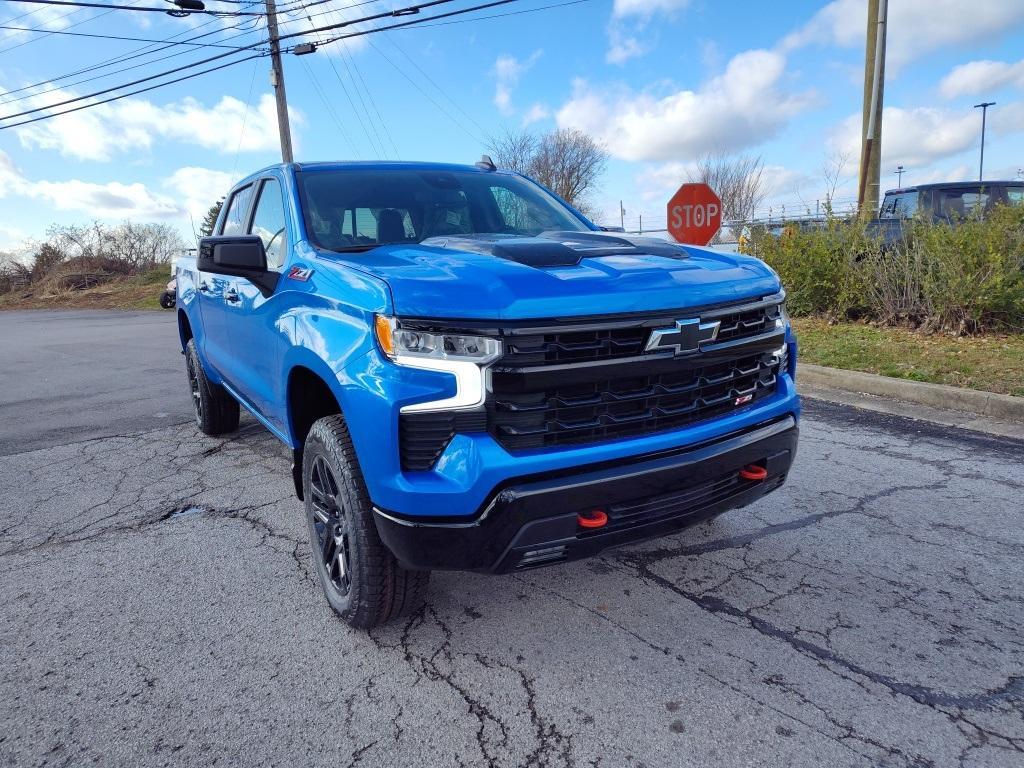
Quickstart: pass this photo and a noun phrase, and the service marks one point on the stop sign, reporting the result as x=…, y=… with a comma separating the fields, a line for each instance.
x=694, y=214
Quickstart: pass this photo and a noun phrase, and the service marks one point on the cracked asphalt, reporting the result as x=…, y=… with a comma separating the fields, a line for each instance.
x=158, y=607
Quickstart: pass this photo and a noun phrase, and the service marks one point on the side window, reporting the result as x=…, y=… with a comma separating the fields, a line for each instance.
x=234, y=219
x=1015, y=195
x=268, y=223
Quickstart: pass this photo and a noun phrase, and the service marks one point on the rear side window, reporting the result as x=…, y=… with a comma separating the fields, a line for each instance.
x=234, y=219
x=1015, y=195
x=268, y=223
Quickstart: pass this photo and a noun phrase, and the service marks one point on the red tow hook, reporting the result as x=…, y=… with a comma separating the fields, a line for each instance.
x=595, y=518
x=753, y=472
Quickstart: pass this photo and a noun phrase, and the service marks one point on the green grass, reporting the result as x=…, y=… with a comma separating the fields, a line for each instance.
x=992, y=363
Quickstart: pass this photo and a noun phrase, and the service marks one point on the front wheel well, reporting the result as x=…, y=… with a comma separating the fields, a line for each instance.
x=309, y=399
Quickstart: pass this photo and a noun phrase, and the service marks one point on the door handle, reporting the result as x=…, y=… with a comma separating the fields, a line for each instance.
x=204, y=287
x=232, y=296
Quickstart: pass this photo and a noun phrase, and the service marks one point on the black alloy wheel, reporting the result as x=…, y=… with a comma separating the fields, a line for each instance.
x=330, y=524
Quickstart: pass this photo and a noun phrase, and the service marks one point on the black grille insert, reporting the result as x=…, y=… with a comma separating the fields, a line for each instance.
x=609, y=408
x=424, y=436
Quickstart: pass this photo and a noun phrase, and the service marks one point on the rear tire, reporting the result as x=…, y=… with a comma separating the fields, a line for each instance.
x=216, y=411
x=361, y=579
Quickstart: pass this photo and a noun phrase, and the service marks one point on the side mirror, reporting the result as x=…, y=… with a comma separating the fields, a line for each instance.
x=238, y=256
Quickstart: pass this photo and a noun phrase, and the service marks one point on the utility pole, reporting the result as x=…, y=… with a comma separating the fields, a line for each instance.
x=277, y=80
x=899, y=175
x=874, y=85
x=622, y=215
x=981, y=163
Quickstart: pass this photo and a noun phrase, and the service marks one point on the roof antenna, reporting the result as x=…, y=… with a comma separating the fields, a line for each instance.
x=486, y=164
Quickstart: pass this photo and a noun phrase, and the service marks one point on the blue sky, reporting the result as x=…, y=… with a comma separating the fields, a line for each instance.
x=659, y=82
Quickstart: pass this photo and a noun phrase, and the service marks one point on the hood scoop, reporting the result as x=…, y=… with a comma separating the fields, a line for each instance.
x=558, y=249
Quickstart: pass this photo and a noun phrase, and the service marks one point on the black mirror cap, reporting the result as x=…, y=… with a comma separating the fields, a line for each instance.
x=226, y=253
x=238, y=256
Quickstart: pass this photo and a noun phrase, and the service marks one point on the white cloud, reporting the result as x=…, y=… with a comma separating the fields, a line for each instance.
x=106, y=201
x=742, y=107
x=101, y=132
x=196, y=189
x=622, y=47
x=646, y=8
x=981, y=77
x=628, y=23
x=915, y=27
x=188, y=190
x=536, y=113
x=921, y=136
x=507, y=72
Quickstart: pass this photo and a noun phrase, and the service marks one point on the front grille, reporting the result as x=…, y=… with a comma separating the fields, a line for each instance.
x=610, y=408
x=576, y=385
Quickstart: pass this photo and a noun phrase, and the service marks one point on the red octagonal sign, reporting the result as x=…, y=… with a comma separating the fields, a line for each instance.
x=694, y=214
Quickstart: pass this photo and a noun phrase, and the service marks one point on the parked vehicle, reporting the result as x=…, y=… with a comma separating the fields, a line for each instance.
x=170, y=295
x=471, y=375
x=947, y=202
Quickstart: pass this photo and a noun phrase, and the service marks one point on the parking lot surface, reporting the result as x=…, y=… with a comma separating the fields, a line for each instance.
x=158, y=607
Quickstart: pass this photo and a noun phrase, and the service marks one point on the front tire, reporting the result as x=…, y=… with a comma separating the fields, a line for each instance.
x=361, y=579
x=167, y=300
x=216, y=411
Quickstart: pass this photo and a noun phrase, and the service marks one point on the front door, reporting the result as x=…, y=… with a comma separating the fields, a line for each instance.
x=256, y=342
x=214, y=290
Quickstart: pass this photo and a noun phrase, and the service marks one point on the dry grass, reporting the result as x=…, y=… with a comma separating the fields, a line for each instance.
x=140, y=291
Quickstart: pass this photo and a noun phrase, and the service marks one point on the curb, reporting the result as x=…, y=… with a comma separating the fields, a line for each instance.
x=1003, y=407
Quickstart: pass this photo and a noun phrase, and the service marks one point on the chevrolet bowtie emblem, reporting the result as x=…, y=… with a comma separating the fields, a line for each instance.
x=684, y=338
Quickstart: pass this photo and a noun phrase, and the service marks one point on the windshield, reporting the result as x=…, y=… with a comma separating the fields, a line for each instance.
x=356, y=209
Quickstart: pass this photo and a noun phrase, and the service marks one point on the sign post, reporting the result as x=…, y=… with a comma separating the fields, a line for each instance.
x=694, y=214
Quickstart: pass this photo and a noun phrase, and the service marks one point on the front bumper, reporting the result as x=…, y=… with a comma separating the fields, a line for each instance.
x=532, y=521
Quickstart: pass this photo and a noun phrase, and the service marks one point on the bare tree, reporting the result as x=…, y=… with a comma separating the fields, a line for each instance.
x=128, y=245
x=739, y=183
x=567, y=161
x=514, y=151
x=831, y=172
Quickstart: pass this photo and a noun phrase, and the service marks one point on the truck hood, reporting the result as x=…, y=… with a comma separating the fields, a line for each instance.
x=556, y=274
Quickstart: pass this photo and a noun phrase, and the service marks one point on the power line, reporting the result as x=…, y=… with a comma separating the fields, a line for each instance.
x=357, y=112
x=429, y=79
x=503, y=15
x=133, y=93
x=425, y=94
x=126, y=85
x=128, y=56
x=115, y=37
x=62, y=16
x=148, y=9
x=399, y=12
x=459, y=12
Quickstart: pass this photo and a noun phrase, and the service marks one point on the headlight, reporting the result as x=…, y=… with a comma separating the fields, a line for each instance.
x=463, y=356
x=398, y=342
x=782, y=321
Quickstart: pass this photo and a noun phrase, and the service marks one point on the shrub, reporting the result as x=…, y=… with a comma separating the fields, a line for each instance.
x=966, y=278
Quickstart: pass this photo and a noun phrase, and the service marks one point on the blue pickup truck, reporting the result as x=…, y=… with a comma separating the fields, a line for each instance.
x=471, y=375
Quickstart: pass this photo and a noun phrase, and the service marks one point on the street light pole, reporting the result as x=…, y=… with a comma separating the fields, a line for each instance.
x=981, y=163
x=899, y=176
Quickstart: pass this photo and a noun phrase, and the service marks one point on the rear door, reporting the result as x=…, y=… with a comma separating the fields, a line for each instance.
x=214, y=288
x=251, y=318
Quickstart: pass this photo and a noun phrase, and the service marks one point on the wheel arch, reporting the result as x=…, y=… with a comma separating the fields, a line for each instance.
x=309, y=397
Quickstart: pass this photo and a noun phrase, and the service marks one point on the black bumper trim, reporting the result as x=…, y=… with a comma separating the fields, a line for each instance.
x=532, y=521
